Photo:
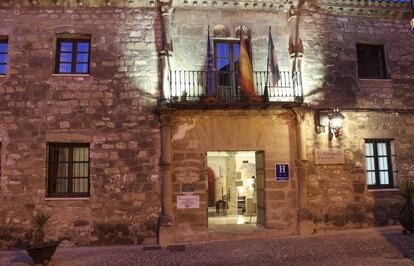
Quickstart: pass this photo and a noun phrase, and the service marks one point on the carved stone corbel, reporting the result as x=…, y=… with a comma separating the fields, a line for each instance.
x=167, y=11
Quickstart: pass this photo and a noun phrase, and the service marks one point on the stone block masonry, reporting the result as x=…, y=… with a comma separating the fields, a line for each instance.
x=111, y=109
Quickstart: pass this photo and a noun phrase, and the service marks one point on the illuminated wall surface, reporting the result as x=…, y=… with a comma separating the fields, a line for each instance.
x=113, y=110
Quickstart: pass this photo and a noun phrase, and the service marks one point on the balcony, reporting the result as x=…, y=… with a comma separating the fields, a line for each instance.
x=190, y=88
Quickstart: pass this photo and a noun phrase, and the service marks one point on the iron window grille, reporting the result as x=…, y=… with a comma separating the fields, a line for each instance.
x=3, y=56
x=73, y=56
x=371, y=61
x=380, y=162
x=68, y=170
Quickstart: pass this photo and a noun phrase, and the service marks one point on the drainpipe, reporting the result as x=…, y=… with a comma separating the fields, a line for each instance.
x=166, y=215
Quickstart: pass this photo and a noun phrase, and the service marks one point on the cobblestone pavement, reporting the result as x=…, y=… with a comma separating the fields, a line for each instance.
x=385, y=246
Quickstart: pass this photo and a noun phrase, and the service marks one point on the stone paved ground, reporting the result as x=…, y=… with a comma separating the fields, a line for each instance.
x=385, y=246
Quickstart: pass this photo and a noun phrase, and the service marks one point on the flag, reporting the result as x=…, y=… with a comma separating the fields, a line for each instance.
x=210, y=78
x=274, y=74
x=245, y=68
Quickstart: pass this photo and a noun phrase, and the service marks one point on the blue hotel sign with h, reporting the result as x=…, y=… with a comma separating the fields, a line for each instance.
x=282, y=171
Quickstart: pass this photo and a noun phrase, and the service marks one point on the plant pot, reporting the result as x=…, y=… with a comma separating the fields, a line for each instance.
x=42, y=253
x=407, y=223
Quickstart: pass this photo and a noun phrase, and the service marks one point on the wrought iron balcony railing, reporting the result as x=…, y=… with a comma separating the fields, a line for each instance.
x=188, y=86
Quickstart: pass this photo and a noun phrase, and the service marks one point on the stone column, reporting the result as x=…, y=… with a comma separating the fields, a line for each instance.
x=166, y=50
x=231, y=176
x=167, y=230
x=295, y=44
x=165, y=165
x=306, y=225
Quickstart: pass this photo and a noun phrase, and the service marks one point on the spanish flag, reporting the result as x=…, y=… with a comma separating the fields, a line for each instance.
x=245, y=68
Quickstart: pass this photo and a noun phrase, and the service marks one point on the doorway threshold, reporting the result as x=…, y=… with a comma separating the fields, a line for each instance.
x=234, y=228
x=222, y=233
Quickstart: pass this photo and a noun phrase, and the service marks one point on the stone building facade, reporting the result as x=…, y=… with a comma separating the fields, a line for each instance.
x=111, y=109
x=144, y=111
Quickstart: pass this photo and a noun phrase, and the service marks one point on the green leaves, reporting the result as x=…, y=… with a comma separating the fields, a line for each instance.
x=39, y=221
x=407, y=191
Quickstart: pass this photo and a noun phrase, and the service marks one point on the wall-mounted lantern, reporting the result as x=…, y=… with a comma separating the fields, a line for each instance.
x=331, y=120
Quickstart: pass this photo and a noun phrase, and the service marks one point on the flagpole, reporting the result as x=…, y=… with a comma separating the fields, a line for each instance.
x=266, y=90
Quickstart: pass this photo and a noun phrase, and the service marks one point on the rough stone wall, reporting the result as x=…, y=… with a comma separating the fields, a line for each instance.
x=112, y=109
x=330, y=61
x=195, y=133
x=337, y=195
x=189, y=34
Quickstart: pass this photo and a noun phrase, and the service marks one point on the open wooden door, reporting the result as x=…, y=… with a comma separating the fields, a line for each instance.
x=260, y=188
x=211, y=197
x=206, y=168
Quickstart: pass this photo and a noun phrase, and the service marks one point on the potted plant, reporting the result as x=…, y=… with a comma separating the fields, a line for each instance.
x=183, y=96
x=406, y=217
x=41, y=251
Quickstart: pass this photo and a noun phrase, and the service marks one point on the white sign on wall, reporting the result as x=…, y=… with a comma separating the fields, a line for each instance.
x=329, y=156
x=188, y=202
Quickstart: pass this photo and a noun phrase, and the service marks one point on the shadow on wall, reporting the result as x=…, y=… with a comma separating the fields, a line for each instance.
x=329, y=71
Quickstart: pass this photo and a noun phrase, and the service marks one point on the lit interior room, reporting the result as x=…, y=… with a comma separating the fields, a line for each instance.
x=231, y=188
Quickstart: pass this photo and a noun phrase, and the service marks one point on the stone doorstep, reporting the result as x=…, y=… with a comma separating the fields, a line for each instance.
x=264, y=233
x=172, y=248
x=175, y=248
x=151, y=247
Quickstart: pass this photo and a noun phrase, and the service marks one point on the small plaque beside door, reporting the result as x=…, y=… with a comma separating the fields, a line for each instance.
x=188, y=202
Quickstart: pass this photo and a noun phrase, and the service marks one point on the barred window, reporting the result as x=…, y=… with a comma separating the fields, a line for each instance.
x=72, y=56
x=380, y=163
x=68, y=170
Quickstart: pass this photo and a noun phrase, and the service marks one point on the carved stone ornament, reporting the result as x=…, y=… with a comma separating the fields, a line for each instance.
x=246, y=31
x=220, y=30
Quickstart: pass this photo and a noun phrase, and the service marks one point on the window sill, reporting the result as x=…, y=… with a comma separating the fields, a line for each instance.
x=376, y=80
x=67, y=199
x=383, y=190
x=71, y=75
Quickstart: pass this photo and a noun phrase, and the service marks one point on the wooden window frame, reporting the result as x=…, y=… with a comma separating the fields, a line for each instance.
x=376, y=171
x=74, y=42
x=6, y=41
x=232, y=70
x=383, y=60
x=231, y=42
x=51, y=169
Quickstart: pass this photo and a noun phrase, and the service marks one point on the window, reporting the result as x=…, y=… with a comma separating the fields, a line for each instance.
x=73, y=56
x=0, y=157
x=380, y=162
x=371, y=61
x=68, y=169
x=226, y=60
x=3, y=56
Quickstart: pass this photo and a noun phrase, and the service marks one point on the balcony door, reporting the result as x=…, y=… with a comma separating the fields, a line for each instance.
x=226, y=63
